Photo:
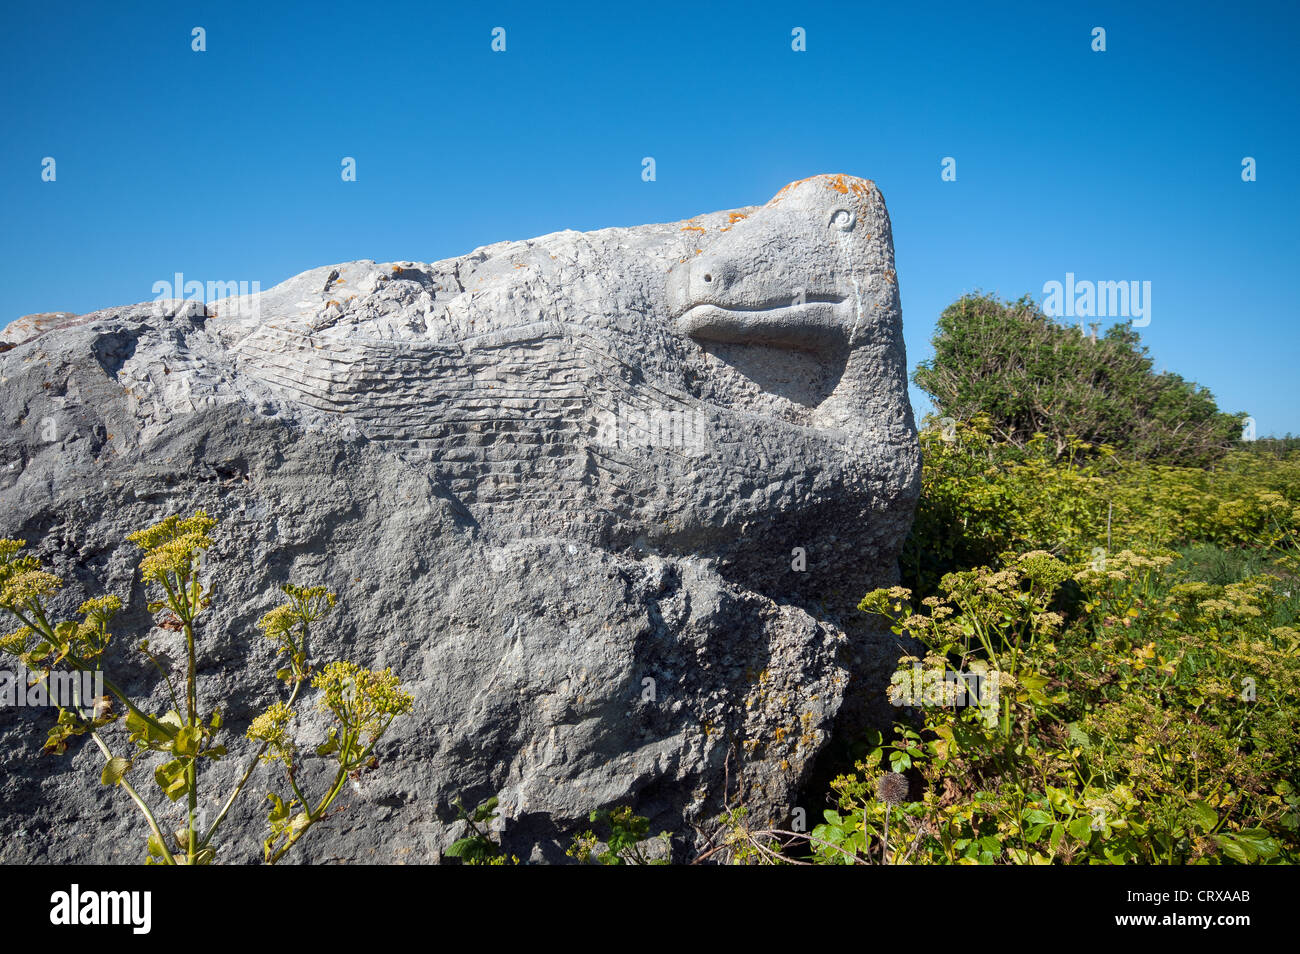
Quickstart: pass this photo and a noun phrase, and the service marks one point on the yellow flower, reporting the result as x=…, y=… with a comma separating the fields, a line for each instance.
x=29, y=586
x=361, y=698
x=272, y=727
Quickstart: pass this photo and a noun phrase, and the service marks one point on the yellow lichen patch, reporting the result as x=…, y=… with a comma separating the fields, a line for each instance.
x=521, y=266
x=699, y=251
x=692, y=228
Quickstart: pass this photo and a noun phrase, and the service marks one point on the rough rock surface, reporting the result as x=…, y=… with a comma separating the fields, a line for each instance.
x=538, y=475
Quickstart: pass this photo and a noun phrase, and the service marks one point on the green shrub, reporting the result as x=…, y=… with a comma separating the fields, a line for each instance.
x=1030, y=375
x=1137, y=629
x=980, y=498
x=1146, y=697
x=1153, y=724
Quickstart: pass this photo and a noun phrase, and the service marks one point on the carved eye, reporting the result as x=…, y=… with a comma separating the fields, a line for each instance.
x=708, y=278
x=843, y=219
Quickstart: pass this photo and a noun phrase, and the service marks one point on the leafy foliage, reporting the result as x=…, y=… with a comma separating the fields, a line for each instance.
x=980, y=498
x=625, y=833
x=1142, y=700
x=1030, y=376
x=476, y=847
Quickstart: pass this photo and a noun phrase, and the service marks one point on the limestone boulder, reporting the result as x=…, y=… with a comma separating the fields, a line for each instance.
x=604, y=501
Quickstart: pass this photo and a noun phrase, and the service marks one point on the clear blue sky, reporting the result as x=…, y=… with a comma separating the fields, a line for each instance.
x=224, y=165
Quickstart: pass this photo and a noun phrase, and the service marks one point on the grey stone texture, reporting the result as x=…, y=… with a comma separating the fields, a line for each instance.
x=563, y=487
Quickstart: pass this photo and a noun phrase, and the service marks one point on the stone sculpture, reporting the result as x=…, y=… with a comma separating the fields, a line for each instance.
x=604, y=501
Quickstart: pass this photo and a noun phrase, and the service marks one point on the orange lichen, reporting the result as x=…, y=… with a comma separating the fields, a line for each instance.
x=732, y=219
x=838, y=183
x=692, y=228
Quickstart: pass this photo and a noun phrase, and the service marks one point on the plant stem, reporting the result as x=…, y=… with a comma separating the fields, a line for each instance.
x=884, y=843
x=135, y=797
x=244, y=780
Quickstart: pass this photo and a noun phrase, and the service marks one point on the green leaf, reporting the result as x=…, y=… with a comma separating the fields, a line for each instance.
x=170, y=777
x=56, y=739
x=152, y=736
x=187, y=741
x=1203, y=815
x=1258, y=843
x=1234, y=849
x=114, y=769
x=487, y=811
x=172, y=719
x=1081, y=828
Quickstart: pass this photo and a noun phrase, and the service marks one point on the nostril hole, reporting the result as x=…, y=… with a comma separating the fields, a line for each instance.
x=708, y=278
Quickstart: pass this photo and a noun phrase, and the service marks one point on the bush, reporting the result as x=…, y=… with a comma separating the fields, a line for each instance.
x=1147, y=718
x=1030, y=375
x=1121, y=701
x=980, y=498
